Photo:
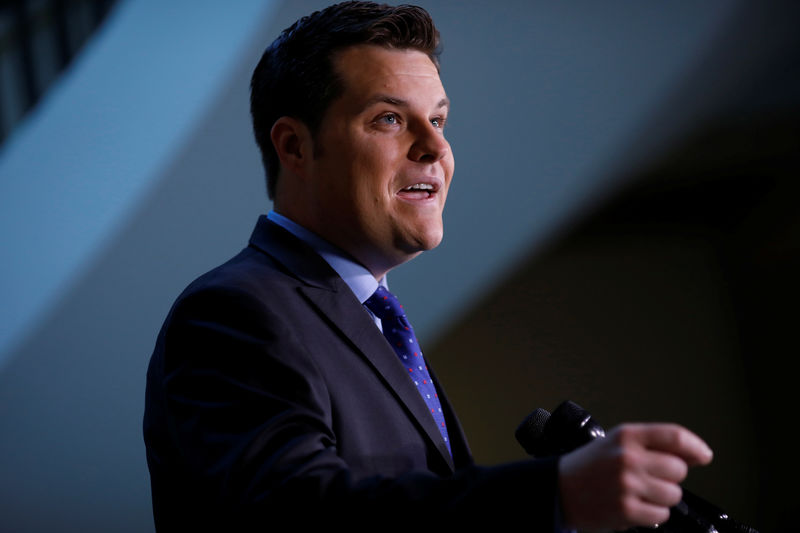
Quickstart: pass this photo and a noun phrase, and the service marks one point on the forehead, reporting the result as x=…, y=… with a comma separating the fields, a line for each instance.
x=368, y=69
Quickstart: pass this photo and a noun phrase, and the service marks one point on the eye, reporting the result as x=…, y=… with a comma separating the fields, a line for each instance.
x=438, y=122
x=388, y=118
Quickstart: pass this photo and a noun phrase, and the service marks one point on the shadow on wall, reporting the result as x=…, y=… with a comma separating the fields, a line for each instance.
x=675, y=300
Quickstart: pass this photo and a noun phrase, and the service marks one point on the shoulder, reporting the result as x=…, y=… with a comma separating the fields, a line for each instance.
x=251, y=273
x=246, y=292
x=259, y=272
x=235, y=319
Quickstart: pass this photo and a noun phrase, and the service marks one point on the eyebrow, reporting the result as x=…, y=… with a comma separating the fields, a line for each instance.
x=387, y=99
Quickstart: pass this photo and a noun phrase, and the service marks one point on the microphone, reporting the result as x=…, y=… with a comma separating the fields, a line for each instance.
x=530, y=431
x=570, y=426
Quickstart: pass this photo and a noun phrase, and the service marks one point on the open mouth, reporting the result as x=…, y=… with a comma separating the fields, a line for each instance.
x=418, y=191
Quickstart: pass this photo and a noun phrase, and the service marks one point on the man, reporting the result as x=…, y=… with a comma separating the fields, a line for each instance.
x=273, y=393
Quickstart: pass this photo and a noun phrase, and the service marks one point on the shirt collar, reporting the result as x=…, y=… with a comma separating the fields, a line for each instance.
x=355, y=275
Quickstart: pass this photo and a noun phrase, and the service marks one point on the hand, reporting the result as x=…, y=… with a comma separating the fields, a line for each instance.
x=630, y=478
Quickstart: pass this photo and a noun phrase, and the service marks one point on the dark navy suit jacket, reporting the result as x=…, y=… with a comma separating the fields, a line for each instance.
x=272, y=396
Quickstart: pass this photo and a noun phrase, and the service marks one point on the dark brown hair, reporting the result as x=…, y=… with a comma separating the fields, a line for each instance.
x=295, y=76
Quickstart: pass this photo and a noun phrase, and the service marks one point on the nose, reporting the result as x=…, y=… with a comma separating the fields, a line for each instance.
x=429, y=144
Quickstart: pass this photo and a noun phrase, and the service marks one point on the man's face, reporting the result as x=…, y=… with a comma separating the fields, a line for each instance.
x=381, y=165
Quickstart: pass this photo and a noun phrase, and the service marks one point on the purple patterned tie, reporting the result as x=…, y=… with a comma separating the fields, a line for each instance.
x=400, y=335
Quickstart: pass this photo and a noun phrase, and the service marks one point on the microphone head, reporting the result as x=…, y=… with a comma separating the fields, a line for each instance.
x=570, y=427
x=530, y=430
x=567, y=428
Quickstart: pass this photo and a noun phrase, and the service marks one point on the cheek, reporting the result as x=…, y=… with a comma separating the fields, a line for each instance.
x=380, y=160
x=367, y=205
x=449, y=167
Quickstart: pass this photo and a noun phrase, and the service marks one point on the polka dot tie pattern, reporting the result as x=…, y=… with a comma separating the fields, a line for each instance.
x=400, y=335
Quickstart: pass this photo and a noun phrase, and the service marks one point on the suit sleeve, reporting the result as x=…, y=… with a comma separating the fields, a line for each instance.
x=238, y=431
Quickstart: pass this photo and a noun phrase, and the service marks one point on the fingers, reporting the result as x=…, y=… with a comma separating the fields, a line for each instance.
x=642, y=513
x=660, y=493
x=665, y=466
x=629, y=478
x=672, y=439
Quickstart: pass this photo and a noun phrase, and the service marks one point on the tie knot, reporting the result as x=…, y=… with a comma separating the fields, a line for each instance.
x=384, y=304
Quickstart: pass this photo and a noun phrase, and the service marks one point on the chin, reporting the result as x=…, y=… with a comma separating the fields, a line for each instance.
x=434, y=241
x=425, y=241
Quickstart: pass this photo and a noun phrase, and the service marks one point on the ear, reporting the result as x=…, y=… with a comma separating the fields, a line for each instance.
x=293, y=144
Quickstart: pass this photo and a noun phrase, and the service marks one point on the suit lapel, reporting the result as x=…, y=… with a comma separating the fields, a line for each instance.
x=462, y=455
x=331, y=296
x=348, y=315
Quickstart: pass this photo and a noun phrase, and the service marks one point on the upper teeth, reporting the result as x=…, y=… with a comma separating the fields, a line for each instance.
x=421, y=186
